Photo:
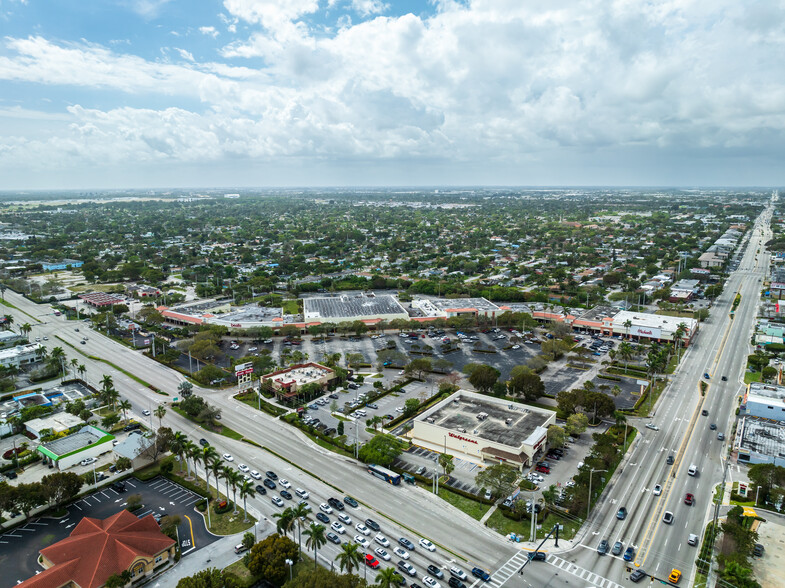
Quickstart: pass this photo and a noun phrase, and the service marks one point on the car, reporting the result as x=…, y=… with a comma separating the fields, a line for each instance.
x=344, y=518
x=637, y=575
x=675, y=576
x=374, y=526
x=335, y=503
x=350, y=501
x=689, y=499
x=118, y=486
x=261, y=489
x=146, y=412
x=286, y=494
x=371, y=561
x=657, y=489
x=430, y=582
x=692, y=539
x=404, y=542
x=537, y=556
x=360, y=540
x=269, y=483
x=758, y=550
x=285, y=483
x=338, y=527
x=705, y=412
x=276, y=501
x=228, y=457
x=271, y=475
x=324, y=507
x=667, y=518
x=629, y=553
x=721, y=436
x=372, y=405
x=706, y=376
x=323, y=517
x=256, y=475
x=602, y=548
x=88, y=461
x=333, y=538
x=382, y=540
x=617, y=547
x=543, y=469
x=724, y=378
x=621, y=514
x=425, y=544
x=669, y=461
x=243, y=468
x=83, y=342
x=362, y=529
x=382, y=553
x=481, y=574
x=407, y=567
x=400, y=552
x=652, y=426
x=713, y=427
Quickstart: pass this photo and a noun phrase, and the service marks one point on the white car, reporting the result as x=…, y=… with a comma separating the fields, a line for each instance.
x=360, y=540
x=146, y=412
x=381, y=540
x=256, y=475
x=362, y=528
x=338, y=527
x=430, y=582
x=425, y=544
x=301, y=493
x=326, y=508
x=284, y=483
x=382, y=554
x=657, y=490
x=345, y=518
x=228, y=457
x=426, y=577
x=88, y=461
x=401, y=552
x=399, y=409
x=277, y=501
x=243, y=468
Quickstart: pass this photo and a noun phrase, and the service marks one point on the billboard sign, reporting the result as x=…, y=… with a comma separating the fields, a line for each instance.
x=651, y=332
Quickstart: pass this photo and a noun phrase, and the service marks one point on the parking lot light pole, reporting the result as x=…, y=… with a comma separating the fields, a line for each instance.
x=289, y=563
x=588, y=506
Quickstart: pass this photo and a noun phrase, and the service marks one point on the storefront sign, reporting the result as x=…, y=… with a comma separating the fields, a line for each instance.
x=461, y=438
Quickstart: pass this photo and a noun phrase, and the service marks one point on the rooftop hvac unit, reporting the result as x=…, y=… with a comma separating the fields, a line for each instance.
x=474, y=432
x=430, y=420
x=461, y=430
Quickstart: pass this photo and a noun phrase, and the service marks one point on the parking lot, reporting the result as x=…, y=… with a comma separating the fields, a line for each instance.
x=19, y=547
x=462, y=477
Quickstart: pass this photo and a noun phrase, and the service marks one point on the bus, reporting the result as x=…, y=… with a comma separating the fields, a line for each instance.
x=384, y=474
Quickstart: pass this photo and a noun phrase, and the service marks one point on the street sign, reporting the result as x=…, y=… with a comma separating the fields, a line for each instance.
x=642, y=383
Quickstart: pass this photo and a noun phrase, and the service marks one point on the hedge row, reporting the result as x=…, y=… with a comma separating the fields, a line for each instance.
x=609, y=377
x=25, y=461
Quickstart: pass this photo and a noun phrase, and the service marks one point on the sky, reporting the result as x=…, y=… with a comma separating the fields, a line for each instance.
x=268, y=93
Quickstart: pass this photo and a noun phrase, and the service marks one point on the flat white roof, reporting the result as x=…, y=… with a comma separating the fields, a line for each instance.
x=657, y=321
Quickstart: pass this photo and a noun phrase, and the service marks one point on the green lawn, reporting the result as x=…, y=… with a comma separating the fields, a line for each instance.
x=290, y=307
x=473, y=508
x=504, y=526
x=750, y=377
x=229, y=523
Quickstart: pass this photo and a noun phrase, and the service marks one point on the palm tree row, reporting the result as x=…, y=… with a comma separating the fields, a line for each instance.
x=208, y=458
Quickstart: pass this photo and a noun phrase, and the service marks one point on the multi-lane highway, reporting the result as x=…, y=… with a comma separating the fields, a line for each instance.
x=719, y=350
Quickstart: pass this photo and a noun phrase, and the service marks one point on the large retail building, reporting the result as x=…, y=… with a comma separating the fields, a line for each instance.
x=485, y=429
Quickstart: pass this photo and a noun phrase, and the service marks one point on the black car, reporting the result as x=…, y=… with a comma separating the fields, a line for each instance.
x=334, y=396
x=286, y=494
x=537, y=556
x=758, y=550
x=118, y=486
x=261, y=489
x=374, y=526
x=455, y=583
x=271, y=475
x=203, y=442
x=637, y=575
x=602, y=548
x=269, y=483
x=724, y=378
x=435, y=572
x=323, y=517
x=335, y=503
x=332, y=537
x=705, y=412
x=404, y=542
x=350, y=501
x=669, y=461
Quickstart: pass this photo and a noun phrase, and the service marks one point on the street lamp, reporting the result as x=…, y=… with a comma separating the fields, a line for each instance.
x=290, y=563
x=588, y=506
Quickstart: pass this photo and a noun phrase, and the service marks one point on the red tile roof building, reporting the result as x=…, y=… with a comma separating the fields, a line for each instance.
x=97, y=549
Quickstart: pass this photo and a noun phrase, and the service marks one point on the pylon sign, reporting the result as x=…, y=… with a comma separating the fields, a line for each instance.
x=243, y=373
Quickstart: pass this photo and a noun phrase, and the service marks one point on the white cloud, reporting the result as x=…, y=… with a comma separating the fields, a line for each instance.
x=148, y=8
x=369, y=7
x=187, y=55
x=209, y=31
x=270, y=13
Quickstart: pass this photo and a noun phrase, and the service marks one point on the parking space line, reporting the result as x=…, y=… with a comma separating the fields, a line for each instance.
x=26, y=529
x=39, y=524
x=11, y=535
x=130, y=484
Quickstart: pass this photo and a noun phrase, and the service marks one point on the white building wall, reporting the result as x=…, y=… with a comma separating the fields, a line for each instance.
x=92, y=451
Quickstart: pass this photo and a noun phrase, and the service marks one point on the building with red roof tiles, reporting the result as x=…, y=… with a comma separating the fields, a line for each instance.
x=97, y=549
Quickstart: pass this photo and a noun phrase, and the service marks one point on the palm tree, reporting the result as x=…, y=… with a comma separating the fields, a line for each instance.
x=627, y=325
x=7, y=322
x=124, y=405
x=226, y=474
x=246, y=490
x=81, y=369
x=177, y=445
x=208, y=456
x=159, y=412
x=107, y=382
x=56, y=357
x=74, y=364
x=681, y=330
x=387, y=578
x=316, y=539
x=217, y=468
x=625, y=353
x=112, y=396
x=349, y=557
x=25, y=329
x=234, y=478
x=285, y=521
x=299, y=512
x=190, y=451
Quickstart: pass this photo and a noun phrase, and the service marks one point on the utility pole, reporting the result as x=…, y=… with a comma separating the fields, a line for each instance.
x=588, y=506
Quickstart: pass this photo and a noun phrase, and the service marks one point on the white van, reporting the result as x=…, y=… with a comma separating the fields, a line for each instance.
x=458, y=573
x=693, y=470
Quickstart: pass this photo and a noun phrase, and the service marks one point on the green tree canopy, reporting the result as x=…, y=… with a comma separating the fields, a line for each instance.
x=499, y=479
x=381, y=450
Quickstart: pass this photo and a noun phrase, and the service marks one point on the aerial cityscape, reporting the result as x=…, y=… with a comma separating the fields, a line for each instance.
x=353, y=293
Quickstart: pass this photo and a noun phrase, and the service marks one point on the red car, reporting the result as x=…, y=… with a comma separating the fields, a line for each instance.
x=689, y=499
x=371, y=561
x=543, y=470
